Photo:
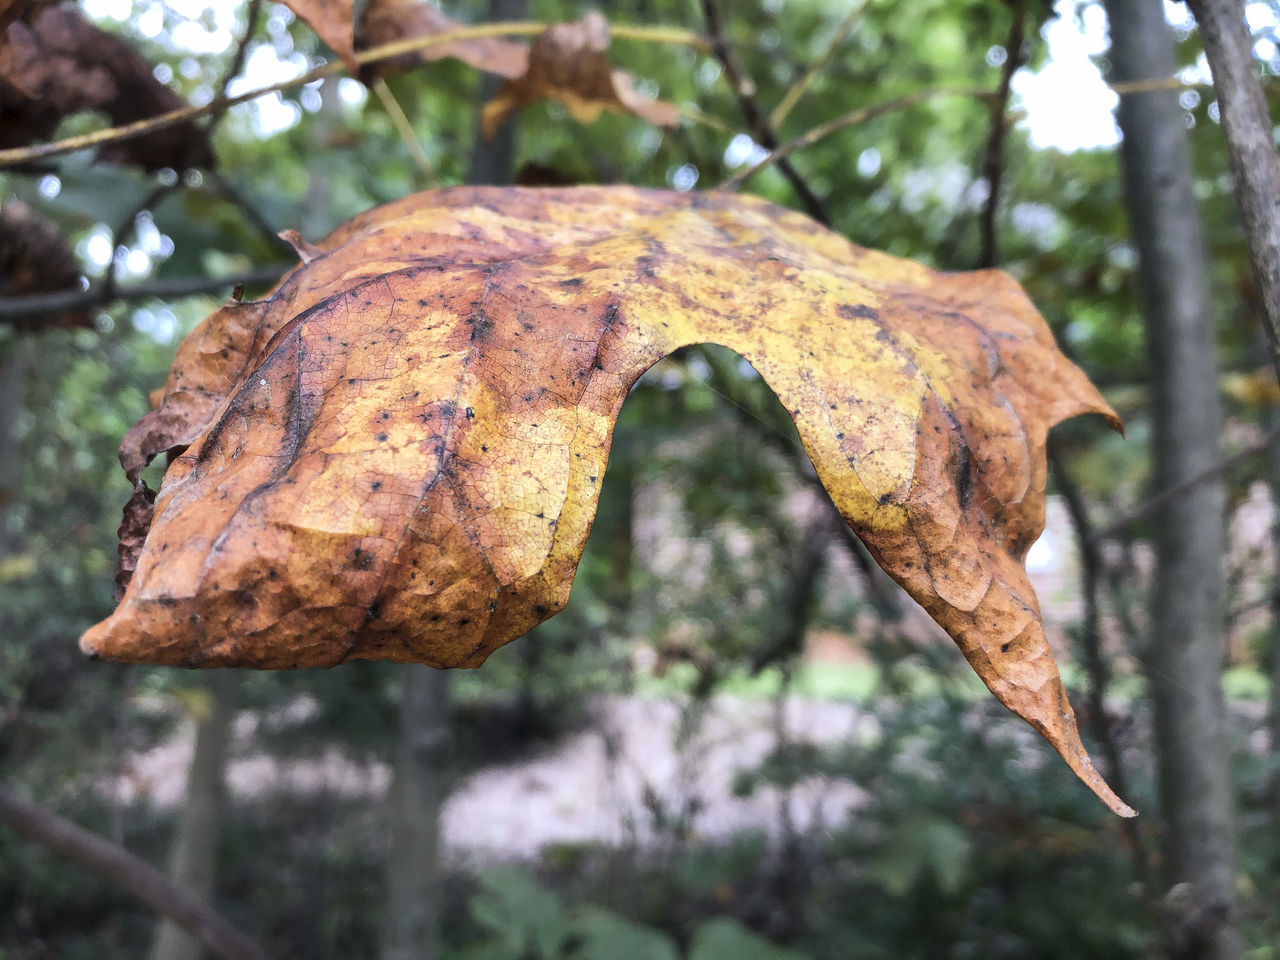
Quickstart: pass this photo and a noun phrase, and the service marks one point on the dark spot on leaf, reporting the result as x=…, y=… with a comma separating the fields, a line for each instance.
x=852, y=312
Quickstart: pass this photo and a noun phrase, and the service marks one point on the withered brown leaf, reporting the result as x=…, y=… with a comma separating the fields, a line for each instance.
x=570, y=62
x=398, y=455
x=35, y=257
x=333, y=21
x=385, y=21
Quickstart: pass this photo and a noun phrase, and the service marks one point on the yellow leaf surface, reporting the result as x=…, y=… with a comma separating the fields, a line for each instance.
x=398, y=455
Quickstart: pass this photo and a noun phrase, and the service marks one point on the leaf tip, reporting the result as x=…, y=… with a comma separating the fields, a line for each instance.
x=1064, y=736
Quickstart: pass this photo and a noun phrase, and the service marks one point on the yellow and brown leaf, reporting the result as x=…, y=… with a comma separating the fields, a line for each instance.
x=398, y=455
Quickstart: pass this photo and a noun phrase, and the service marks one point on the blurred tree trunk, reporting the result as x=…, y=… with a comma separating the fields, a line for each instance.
x=193, y=860
x=15, y=360
x=1273, y=706
x=422, y=776
x=1184, y=657
x=494, y=162
x=420, y=790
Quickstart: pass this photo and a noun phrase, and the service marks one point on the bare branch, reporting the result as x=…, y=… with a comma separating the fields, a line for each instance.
x=1161, y=501
x=121, y=868
x=34, y=305
x=236, y=65
x=993, y=162
x=745, y=91
x=792, y=97
x=1093, y=572
x=386, y=51
x=854, y=117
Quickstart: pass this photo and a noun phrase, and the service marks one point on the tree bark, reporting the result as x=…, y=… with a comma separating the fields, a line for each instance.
x=1251, y=147
x=421, y=787
x=122, y=869
x=493, y=162
x=193, y=862
x=1184, y=655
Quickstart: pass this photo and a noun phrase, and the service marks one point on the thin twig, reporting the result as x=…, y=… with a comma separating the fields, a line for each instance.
x=993, y=162
x=124, y=229
x=1092, y=574
x=854, y=117
x=236, y=65
x=124, y=870
x=1161, y=501
x=792, y=97
x=386, y=51
x=38, y=304
x=745, y=91
x=249, y=210
x=694, y=115
x=405, y=129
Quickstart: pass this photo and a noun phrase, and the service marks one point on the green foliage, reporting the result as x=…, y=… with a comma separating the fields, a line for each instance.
x=525, y=920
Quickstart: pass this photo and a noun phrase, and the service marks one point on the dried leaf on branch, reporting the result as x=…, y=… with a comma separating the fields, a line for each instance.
x=333, y=21
x=398, y=455
x=60, y=64
x=11, y=10
x=36, y=258
x=570, y=62
x=385, y=21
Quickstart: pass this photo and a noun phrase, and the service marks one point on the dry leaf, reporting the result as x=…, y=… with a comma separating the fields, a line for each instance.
x=11, y=10
x=36, y=258
x=60, y=64
x=333, y=21
x=570, y=62
x=385, y=21
x=398, y=455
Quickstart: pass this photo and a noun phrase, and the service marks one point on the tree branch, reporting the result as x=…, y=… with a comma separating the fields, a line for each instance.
x=1161, y=501
x=236, y=65
x=1251, y=147
x=745, y=91
x=993, y=162
x=1092, y=573
x=792, y=97
x=852, y=118
x=122, y=868
x=386, y=51
x=35, y=305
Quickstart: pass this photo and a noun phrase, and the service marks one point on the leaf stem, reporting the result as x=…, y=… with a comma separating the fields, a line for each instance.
x=405, y=129
x=792, y=97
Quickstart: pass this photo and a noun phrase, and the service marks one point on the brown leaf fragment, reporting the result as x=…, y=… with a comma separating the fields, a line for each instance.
x=61, y=64
x=333, y=21
x=386, y=21
x=210, y=361
x=570, y=62
x=133, y=533
x=36, y=258
x=400, y=454
x=11, y=10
